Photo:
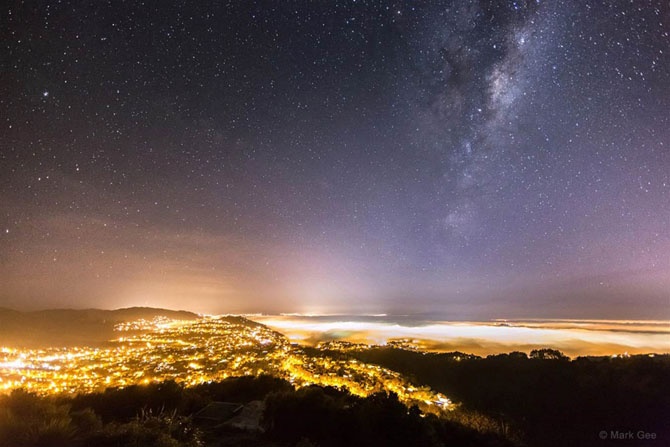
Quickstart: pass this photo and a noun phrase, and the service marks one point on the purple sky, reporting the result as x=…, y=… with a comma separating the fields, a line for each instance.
x=469, y=159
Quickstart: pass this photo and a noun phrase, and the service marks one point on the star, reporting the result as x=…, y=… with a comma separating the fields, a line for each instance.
x=486, y=157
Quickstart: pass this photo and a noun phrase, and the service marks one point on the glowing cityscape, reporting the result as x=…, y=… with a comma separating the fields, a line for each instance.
x=198, y=351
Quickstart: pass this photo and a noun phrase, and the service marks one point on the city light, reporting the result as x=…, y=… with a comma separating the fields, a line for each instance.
x=198, y=351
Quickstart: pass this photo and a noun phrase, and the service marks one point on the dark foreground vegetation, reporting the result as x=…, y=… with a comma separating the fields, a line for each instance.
x=166, y=415
x=547, y=398
x=542, y=400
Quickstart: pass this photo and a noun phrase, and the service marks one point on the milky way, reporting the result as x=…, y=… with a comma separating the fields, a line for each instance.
x=477, y=159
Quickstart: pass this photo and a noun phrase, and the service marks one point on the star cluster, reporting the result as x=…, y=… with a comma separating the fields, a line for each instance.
x=473, y=159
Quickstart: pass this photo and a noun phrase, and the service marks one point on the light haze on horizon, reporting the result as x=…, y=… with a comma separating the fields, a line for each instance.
x=471, y=160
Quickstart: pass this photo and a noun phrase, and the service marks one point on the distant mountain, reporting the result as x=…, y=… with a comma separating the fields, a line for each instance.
x=71, y=327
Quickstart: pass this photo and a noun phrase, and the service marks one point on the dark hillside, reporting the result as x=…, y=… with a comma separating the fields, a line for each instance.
x=553, y=400
x=72, y=327
x=166, y=414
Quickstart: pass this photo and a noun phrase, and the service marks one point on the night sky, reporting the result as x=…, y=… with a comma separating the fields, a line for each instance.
x=482, y=159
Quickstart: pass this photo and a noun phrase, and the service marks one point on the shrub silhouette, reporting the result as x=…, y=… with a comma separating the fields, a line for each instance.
x=165, y=429
x=29, y=420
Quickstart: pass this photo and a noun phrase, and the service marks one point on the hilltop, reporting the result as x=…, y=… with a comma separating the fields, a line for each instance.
x=72, y=327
